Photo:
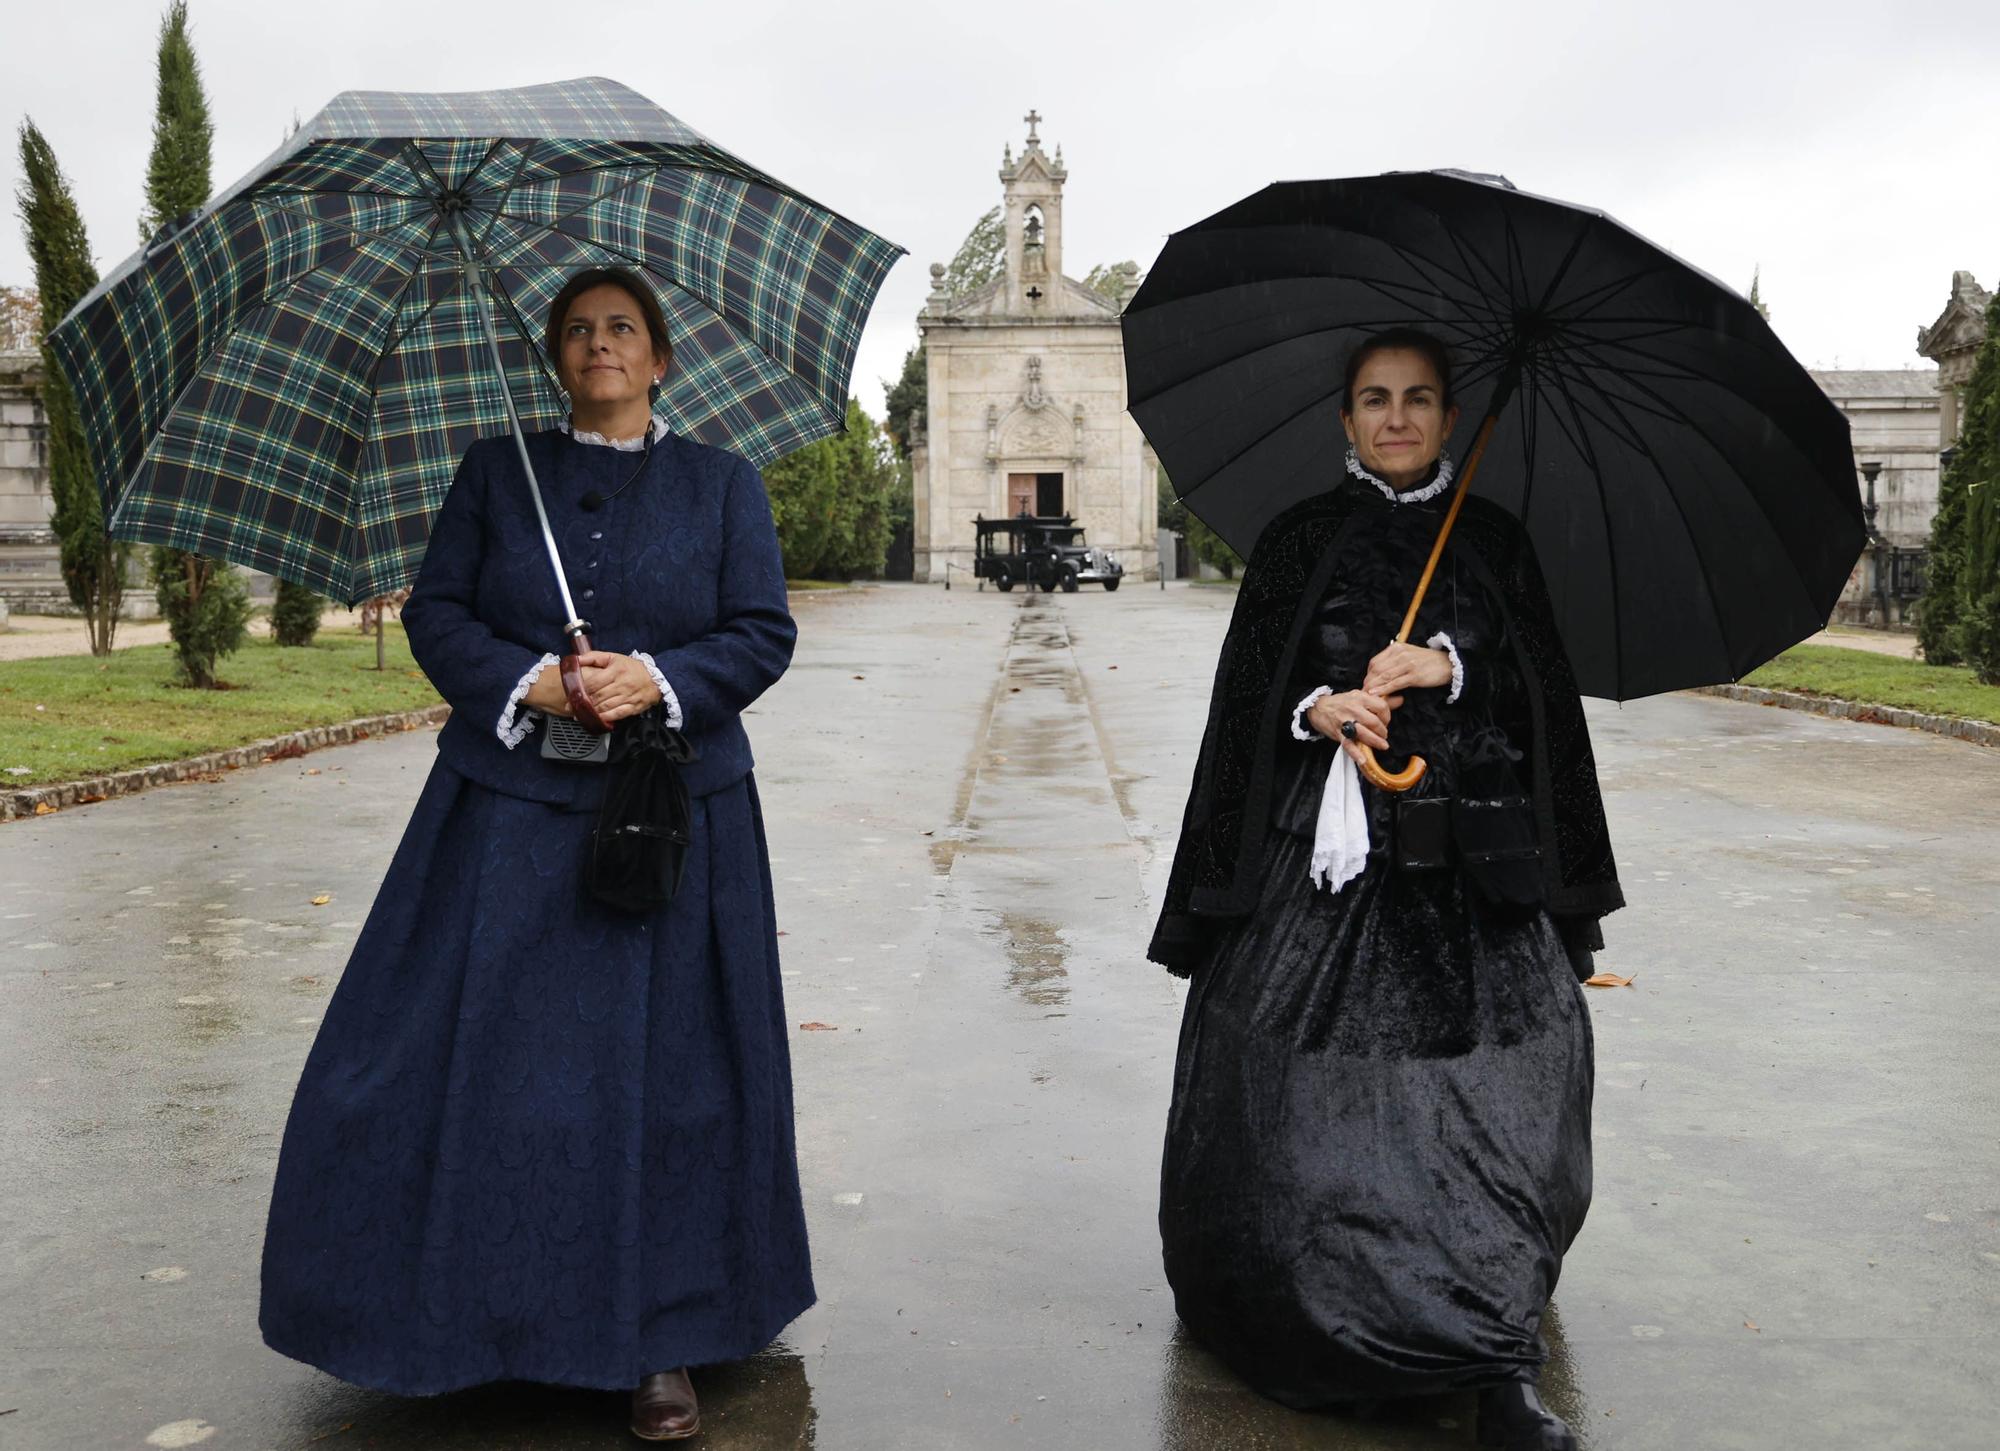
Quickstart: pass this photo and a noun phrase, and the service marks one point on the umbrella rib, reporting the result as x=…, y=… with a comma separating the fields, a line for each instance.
x=1530, y=423
x=268, y=299
x=372, y=234
x=421, y=318
x=1566, y=372
x=556, y=222
x=1580, y=440
x=1517, y=266
x=492, y=150
x=1562, y=271
x=1472, y=298
x=1686, y=421
x=717, y=313
x=270, y=191
x=1298, y=414
x=1652, y=330
x=1604, y=292
x=1474, y=262
x=535, y=352
x=423, y=168
x=1664, y=370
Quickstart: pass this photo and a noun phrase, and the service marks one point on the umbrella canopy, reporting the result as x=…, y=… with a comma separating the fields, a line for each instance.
x=1689, y=489
x=288, y=377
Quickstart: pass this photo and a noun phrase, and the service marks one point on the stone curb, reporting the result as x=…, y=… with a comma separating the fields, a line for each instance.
x=1979, y=732
x=17, y=804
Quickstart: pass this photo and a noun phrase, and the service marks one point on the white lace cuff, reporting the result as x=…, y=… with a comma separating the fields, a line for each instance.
x=1300, y=730
x=510, y=730
x=672, y=701
x=1442, y=641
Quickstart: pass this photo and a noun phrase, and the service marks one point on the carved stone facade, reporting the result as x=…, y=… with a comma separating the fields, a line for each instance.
x=1026, y=393
x=1952, y=342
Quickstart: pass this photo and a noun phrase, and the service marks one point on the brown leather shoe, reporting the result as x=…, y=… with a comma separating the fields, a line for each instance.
x=664, y=1409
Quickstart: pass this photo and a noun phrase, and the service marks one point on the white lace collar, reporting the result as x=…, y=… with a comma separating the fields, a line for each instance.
x=1412, y=496
x=655, y=431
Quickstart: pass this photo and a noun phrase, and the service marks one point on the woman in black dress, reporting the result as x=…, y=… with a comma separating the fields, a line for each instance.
x=538, y=1137
x=1379, y=1144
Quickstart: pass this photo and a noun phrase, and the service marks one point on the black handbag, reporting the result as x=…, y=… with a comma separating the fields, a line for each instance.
x=1422, y=833
x=1499, y=847
x=644, y=823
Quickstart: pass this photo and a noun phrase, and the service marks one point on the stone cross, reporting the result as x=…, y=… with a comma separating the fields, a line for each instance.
x=1034, y=119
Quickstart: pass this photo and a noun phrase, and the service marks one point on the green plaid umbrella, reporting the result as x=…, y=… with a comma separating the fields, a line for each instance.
x=287, y=377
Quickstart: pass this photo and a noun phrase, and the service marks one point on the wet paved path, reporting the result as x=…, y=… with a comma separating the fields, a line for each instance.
x=970, y=799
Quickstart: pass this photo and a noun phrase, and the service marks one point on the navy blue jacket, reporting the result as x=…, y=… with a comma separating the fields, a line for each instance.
x=683, y=564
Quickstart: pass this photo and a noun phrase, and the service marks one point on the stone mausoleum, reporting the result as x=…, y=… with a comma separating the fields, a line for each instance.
x=1026, y=383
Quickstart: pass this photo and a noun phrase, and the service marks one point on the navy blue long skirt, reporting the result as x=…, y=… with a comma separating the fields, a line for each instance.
x=537, y=1139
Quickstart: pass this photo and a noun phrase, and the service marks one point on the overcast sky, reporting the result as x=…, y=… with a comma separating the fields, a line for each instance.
x=1847, y=149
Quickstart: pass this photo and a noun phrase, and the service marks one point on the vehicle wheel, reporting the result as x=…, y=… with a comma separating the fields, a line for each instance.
x=1003, y=579
x=1047, y=580
x=1068, y=580
x=1110, y=585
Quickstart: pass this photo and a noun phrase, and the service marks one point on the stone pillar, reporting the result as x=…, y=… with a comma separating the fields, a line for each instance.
x=30, y=564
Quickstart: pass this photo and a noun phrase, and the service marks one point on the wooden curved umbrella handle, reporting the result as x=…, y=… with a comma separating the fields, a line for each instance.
x=1384, y=779
x=581, y=710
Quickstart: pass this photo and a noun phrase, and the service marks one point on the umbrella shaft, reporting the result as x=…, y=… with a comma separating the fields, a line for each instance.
x=1444, y=529
x=1505, y=390
x=482, y=300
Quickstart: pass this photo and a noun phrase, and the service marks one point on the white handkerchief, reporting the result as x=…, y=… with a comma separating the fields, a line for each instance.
x=1340, y=837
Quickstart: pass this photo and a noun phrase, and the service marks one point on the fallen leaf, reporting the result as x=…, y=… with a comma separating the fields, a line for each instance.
x=313, y=771
x=42, y=808
x=322, y=899
x=1609, y=979
x=1751, y=1325
x=90, y=800
x=290, y=751
x=860, y=677
x=818, y=1028
x=1111, y=667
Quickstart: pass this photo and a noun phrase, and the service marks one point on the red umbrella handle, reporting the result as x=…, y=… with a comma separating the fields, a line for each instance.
x=581, y=710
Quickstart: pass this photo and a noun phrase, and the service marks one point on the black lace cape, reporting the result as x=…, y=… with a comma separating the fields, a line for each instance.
x=1216, y=873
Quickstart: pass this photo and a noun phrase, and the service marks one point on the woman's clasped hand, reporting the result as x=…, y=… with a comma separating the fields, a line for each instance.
x=618, y=685
x=1395, y=669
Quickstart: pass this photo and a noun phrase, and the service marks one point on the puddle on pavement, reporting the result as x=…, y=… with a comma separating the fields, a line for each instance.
x=1037, y=773
x=1037, y=959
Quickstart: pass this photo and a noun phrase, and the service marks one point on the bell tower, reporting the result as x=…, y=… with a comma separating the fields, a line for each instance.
x=1032, y=214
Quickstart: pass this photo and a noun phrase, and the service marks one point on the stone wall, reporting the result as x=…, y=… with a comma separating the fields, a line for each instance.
x=30, y=568
x=1894, y=419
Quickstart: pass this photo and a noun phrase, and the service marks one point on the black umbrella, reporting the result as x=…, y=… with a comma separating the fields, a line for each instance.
x=1688, y=487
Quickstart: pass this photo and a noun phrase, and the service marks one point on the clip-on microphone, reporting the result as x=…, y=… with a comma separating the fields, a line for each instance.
x=591, y=502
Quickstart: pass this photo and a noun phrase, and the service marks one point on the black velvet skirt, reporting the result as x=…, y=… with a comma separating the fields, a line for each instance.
x=1379, y=1145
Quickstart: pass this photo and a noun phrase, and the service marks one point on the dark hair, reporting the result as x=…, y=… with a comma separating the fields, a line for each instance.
x=628, y=282
x=1400, y=339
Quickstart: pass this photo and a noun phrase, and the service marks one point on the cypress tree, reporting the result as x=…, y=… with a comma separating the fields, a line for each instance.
x=93, y=563
x=1963, y=570
x=204, y=600
x=1975, y=462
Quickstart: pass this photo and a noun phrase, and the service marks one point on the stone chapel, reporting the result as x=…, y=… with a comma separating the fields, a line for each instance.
x=1026, y=385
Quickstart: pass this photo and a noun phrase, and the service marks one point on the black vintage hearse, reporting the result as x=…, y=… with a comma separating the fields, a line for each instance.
x=1040, y=550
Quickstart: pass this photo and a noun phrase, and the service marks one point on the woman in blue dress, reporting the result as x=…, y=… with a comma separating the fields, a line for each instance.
x=539, y=1138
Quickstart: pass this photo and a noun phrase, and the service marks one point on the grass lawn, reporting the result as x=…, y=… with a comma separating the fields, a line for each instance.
x=74, y=716
x=1875, y=679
